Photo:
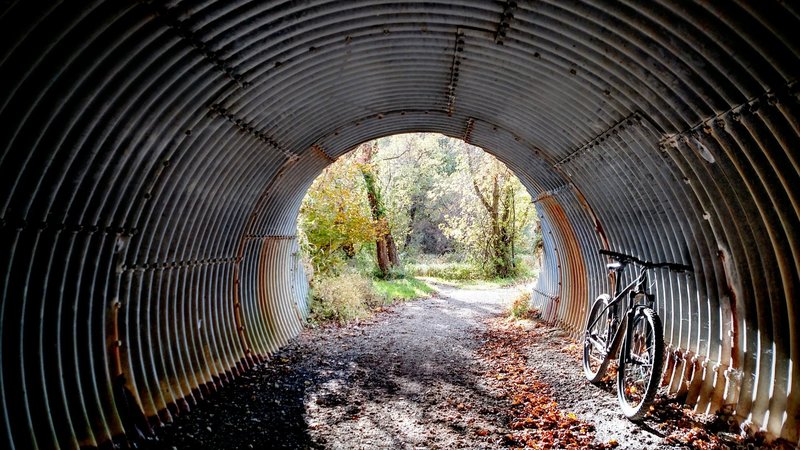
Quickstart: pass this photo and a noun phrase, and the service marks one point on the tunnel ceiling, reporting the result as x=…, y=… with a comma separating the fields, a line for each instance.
x=154, y=153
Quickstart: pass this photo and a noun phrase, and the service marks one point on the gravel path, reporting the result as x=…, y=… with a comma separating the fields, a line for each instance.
x=406, y=379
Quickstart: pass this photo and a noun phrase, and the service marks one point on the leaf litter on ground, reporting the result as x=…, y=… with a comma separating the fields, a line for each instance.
x=537, y=420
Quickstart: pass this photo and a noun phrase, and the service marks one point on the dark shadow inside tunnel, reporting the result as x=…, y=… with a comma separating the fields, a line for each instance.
x=263, y=408
x=376, y=377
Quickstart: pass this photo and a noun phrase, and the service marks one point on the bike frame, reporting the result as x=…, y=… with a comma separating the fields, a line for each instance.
x=610, y=326
x=635, y=287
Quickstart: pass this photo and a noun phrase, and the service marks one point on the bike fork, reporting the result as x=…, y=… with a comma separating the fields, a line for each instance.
x=626, y=343
x=617, y=339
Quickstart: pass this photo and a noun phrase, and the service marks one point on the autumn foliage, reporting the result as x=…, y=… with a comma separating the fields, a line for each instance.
x=537, y=421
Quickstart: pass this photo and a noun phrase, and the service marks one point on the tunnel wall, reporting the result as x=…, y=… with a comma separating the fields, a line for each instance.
x=154, y=154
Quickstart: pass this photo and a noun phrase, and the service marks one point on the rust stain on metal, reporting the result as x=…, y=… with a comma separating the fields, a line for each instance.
x=458, y=49
x=470, y=126
x=506, y=17
x=321, y=151
x=572, y=268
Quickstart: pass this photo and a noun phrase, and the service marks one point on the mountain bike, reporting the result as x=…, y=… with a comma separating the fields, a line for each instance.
x=630, y=321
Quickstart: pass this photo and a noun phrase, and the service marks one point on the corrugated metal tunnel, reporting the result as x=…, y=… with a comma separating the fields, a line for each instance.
x=154, y=154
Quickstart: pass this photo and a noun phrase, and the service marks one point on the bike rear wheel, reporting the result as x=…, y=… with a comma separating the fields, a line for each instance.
x=595, y=340
x=641, y=362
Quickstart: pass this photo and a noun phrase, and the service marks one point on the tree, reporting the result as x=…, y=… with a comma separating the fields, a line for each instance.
x=385, y=248
x=500, y=207
x=411, y=166
x=489, y=223
x=423, y=193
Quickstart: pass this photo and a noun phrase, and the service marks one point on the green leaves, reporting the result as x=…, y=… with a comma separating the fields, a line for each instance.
x=437, y=195
x=494, y=221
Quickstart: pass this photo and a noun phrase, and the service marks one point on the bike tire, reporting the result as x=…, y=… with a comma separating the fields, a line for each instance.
x=595, y=362
x=647, y=350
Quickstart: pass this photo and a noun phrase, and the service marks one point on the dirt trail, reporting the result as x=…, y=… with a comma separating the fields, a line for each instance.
x=407, y=379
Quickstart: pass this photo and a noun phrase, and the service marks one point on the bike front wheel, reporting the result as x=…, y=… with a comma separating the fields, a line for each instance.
x=595, y=340
x=641, y=362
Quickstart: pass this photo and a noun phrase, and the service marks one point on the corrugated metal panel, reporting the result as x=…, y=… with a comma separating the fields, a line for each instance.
x=546, y=295
x=576, y=235
x=154, y=154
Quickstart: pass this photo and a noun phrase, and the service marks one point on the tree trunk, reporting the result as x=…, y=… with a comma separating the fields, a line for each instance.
x=385, y=248
x=504, y=261
x=501, y=240
x=382, y=254
x=392, y=249
x=508, y=227
x=412, y=215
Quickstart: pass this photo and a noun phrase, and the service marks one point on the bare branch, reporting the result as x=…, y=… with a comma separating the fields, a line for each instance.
x=390, y=158
x=477, y=188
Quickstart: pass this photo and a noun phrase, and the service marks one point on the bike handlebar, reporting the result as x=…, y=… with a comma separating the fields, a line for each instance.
x=625, y=259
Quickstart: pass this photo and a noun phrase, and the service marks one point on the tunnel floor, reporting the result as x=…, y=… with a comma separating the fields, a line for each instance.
x=430, y=374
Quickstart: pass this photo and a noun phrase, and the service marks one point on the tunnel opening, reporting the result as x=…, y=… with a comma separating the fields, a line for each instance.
x=154, y=156
x=445, y=208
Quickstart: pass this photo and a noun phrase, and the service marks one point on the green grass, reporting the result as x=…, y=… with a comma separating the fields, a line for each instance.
x=402, y=289
x=493, y=283
x=443, y=270
x=451, y=271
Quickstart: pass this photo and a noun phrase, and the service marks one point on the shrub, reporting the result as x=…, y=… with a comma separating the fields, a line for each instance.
x=521, y=307
x=342, y=298
x=394, y=273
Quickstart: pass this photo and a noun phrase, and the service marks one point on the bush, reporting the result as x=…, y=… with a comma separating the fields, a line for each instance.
x=521, y=307
x=394, y=273
x=342, y=298
x=523, y=268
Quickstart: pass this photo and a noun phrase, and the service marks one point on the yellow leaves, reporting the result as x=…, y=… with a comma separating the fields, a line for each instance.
x=335, y=216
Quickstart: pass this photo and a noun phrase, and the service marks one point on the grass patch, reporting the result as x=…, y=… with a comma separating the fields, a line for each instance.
x=351, y=296
x=401, y=289
x=451, y=271
x=442, y=269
